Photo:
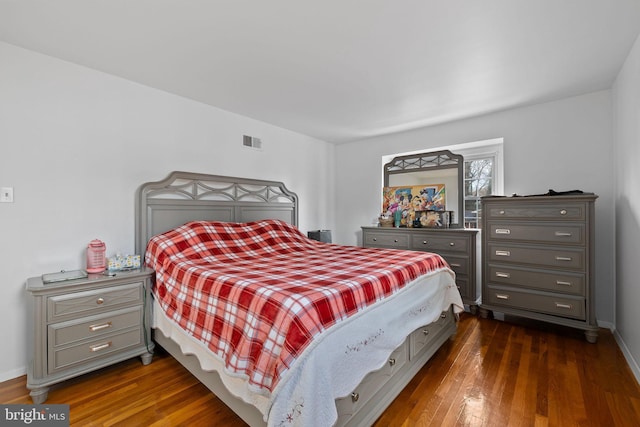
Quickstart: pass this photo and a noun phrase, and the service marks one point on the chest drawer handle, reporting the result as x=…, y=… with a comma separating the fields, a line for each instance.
x=502, y=296
x=452, y=264
x=99, y=301
x=567, y=306
x=504, y=275
x=503, y=253
x=563, y=283
x=503, y=231
x=98, y=347
x=563, y=212
x=94, y=328
x=563, y=258
x=501, y=212
x=562, y=234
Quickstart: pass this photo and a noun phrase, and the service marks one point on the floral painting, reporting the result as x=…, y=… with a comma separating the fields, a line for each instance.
x=409, y=199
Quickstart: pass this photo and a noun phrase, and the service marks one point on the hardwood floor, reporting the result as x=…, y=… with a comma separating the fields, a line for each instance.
x=492, y=373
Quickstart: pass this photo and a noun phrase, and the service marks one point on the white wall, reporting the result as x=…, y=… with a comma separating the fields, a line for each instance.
x=75, y=145
x=562, y=145
x=626, y=161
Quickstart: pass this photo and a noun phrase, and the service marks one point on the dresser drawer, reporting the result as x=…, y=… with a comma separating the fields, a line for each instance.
x=554, y=281
x=64, y=333
x=440, y=243
x=459, y=264
x=551, y=233
x=558, y=305
x=372, y=383
x=65, y=357
x=549, y=257
x=93, y=301
x=384, y=240
x=566, y=211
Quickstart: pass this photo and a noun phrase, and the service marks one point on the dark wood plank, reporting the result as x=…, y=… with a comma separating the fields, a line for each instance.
x=507, y=373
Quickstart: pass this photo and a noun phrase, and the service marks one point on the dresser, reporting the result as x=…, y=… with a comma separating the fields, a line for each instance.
x=84, y=324
x=456, y=245
x=538, y=259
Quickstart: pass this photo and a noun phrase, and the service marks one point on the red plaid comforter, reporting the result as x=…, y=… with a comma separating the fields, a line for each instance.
x=258, y=293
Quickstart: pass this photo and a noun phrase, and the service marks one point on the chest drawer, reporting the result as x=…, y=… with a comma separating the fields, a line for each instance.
x=440, y=243
x=551, y=233
x=544, y=257
x=557, y=305
x=64, y=333
x=384, y=240
x=94, y=301
x=554, y=281
x=566, y=211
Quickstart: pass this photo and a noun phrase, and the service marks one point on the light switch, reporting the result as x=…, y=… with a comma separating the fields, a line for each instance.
x=6, y=194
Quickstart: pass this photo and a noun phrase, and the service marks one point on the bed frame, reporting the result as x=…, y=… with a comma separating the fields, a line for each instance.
x=186, y=196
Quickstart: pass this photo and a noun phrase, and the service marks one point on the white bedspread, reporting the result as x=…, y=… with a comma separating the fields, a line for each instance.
x=337, y=362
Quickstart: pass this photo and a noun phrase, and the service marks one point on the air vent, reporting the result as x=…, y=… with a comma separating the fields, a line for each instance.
x=251, y=141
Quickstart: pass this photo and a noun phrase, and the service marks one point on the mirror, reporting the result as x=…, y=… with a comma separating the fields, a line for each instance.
x=430, y=169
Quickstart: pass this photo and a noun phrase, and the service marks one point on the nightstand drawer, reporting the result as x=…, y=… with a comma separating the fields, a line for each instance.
x=93, y=301
x=95, y=326
x=557, y=305
x=552, y=233
x=395, y=240
x=537, y=211
x=440, y=243
x=65, y=357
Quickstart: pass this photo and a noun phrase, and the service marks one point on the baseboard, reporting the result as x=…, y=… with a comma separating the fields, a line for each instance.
x=633, y=364
x=9, y=375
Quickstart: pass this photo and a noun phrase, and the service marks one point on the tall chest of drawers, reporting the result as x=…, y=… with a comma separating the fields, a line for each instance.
x=85, y=324
x=456, y=245
x=538, y=259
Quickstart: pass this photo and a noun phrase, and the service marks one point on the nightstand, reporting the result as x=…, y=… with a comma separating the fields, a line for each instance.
x=85, y=324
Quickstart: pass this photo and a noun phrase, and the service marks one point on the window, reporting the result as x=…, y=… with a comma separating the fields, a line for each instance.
x=478, y=182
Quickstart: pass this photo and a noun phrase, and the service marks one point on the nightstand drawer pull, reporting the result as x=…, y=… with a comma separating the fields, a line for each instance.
x=563, y=283
x=562, y=234
x=503, y=253
x=567, y=306
x=503, y=275
x=99, y=301
x=563, y=258
x=502, y=296
x=503, y=231
x=98, y=347
x=94, y=328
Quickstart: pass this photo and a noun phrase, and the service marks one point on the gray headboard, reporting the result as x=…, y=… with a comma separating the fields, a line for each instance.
x=185, y=196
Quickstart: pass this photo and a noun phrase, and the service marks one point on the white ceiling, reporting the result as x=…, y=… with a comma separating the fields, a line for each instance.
x=340, y=70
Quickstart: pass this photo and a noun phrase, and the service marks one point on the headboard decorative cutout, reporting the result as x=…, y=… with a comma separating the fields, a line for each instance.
x=185, y=196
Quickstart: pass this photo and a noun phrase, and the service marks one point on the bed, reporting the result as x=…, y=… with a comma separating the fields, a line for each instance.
x=338, y=355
